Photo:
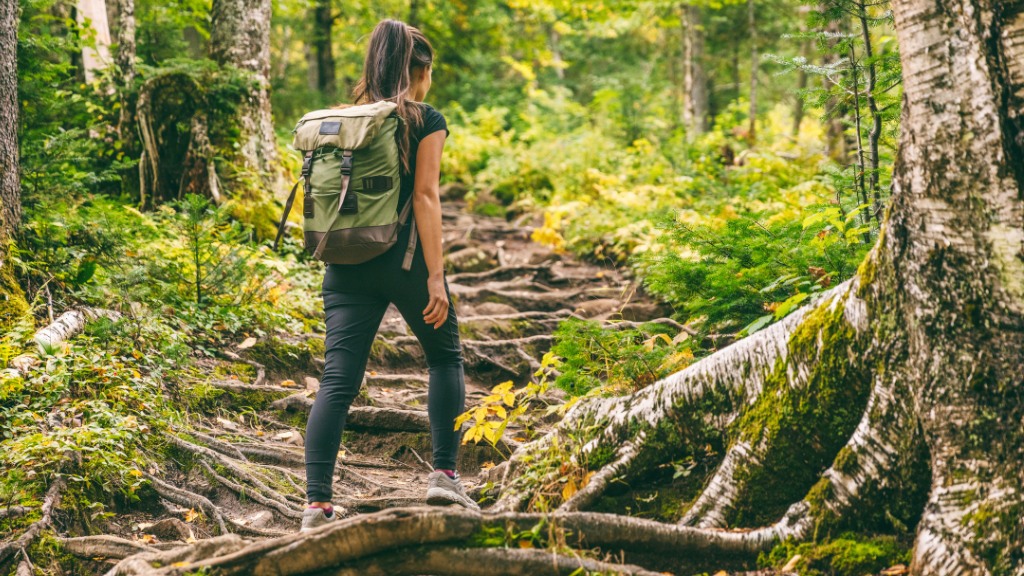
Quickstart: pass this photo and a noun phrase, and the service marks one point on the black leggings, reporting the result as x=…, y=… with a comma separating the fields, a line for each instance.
x=355, y=299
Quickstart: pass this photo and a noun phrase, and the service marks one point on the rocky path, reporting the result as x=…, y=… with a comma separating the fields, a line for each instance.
x=240, y=461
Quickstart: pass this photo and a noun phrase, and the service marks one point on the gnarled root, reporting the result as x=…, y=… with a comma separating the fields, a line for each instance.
x=733, y=377
x=50, y=502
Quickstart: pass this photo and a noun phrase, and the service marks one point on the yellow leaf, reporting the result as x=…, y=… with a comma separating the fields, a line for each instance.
x=569, y=489
x=136, y=473
x=288, y=383
x=191, y=515
x=525, y=544
x=487, y=465
x=509, y=398
x=586, y=479
x=500, y=410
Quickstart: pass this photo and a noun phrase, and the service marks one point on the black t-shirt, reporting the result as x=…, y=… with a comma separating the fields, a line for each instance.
x=432, y=122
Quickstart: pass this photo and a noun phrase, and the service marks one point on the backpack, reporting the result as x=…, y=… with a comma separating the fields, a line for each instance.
x=351, y=183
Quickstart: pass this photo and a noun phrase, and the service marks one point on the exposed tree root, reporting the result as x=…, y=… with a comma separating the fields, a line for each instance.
x=283, y=508
x=104, y=546
x=716, y=501
x=188, y=499
x=458, y=561
x=599, y=481
x=736, y=377
x=50, y=503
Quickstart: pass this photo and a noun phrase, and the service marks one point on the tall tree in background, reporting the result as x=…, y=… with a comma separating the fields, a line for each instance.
x=323, y=23
x=240, y=36
x=12, y=299
x=695, y=82
x=125, y=74
x=10, y=185
x=92, y=14
x=755, y=61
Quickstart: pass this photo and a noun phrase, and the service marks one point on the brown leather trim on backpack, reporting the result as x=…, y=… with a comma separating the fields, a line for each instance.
x=284, y=217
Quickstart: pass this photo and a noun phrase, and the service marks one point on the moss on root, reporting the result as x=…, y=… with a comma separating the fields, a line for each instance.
x=804, y=427
x=848, y=555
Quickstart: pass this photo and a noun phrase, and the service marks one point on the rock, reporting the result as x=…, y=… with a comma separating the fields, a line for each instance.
x=643, y=311
x=454, y=191
x=261, y=519
x=592, y=308
x=495, y=309
x=170, y=529
x=312, y=383
x=473, y=259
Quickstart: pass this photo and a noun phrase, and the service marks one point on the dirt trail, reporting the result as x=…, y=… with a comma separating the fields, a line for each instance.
x=242, y=463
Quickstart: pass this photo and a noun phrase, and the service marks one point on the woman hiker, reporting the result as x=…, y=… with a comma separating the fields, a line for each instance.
x=397, y=69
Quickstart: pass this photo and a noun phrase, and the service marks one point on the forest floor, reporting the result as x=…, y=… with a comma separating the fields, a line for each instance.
x=239, y=465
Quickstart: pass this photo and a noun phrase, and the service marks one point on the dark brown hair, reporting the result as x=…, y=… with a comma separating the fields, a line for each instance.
x=396, y=49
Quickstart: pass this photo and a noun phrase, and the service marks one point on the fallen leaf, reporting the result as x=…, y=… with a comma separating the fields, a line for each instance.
x=148, y=538
x=791, y=565
x=897, y=570
x=247, y=343
x=191, y=515
x=288, y=383
x=487, y=465
x=525, y=544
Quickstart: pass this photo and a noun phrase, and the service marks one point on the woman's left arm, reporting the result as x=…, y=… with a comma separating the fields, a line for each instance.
x=426, y=204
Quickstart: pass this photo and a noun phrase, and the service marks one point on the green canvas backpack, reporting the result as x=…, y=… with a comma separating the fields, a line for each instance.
x=351, y=182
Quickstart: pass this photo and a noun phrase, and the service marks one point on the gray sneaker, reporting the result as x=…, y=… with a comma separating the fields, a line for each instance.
x=442, y=491
x=313, y=518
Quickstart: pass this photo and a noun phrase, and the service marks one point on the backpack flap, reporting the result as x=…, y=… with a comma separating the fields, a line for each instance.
x=350, y=128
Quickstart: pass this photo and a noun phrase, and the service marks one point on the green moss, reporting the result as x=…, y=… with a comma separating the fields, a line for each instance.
x=806, y=427
x=849, y=555
x=244, y=372
x=384, y=352
x=289, y=358
x=846, y=461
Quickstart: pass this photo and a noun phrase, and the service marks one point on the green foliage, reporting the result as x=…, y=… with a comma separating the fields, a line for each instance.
x=848, y=555
x=100, y=399
x=616, y=361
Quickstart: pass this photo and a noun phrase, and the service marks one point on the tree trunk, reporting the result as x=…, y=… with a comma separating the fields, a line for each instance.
x=323, y=22
x=755, y=61
x=555, y=45
x=10, y=182
x=127, y=122
x=876, y=117
x=837, y=145
x=695, y=83
x=240, y=36
x=93, y=14
x=12, y=299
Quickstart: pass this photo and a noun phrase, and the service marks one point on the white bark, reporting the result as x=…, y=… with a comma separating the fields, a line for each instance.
x=92, y=15
x=68, y=325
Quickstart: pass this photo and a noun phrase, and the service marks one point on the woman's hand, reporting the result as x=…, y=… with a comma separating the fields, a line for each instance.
x=436, y=312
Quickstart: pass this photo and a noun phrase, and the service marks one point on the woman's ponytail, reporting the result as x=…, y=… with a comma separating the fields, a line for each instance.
x=387, y=73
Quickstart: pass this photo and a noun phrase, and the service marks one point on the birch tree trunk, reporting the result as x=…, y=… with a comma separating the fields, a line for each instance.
x=240, y=36
x=93, y=14
x=127, y=121
x=695, y=83
x=755, y=62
